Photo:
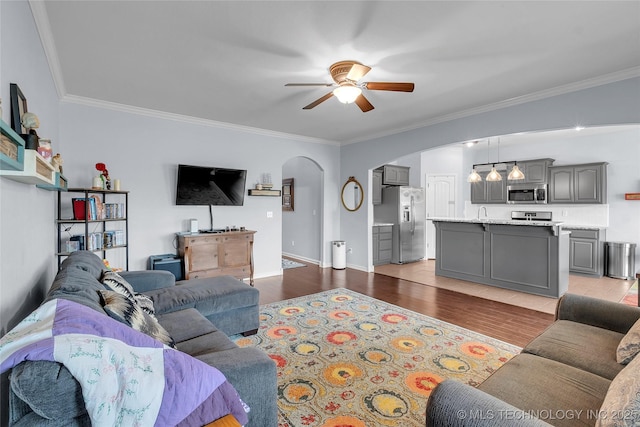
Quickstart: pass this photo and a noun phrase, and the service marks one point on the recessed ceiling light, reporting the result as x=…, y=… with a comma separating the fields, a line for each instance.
x=470, y=143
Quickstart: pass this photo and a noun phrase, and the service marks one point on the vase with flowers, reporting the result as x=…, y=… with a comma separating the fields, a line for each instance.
x=104, y=175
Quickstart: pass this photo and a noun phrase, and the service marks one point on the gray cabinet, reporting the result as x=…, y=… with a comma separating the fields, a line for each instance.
x=489, y=191
x=376, y=187
x=535, y=171
x=382, y=239
x=395, y=175
x=518, y=257
x=586, y=251
x=585, y=183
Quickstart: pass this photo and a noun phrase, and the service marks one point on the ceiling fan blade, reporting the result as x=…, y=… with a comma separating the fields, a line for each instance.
x=357, y=72
x=364, y=103
x=397, y=87
x=318, y=101
x=311, y=84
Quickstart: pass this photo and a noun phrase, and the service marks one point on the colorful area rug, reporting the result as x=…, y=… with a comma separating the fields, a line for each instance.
x=631, y=298
x=287, y=263
x=345, y=359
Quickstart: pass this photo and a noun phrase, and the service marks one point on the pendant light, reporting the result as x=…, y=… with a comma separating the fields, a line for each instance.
x=494, y=175
x=474, y=176
x=516, y=173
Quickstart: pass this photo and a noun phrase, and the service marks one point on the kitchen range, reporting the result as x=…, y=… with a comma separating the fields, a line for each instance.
x=528, y=253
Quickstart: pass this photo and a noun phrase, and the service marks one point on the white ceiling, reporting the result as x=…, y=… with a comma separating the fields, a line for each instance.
x=228, y=61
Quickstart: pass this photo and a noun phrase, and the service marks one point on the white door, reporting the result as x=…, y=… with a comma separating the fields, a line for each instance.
x=441, y=202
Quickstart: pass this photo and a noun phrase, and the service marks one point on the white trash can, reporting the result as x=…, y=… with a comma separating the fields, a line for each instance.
x=339, y=255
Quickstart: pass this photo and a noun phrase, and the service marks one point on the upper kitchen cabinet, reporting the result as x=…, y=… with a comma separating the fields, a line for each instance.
x=394, y=175
x=586, y=183
x=376, y=187
x=489, y=191
x=535, y=171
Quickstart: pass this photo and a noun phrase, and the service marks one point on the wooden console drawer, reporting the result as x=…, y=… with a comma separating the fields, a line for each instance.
x=206, y=255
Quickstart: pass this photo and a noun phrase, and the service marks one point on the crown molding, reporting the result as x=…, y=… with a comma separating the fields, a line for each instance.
x=536, y=96
x=41, y=18
x=91, y=102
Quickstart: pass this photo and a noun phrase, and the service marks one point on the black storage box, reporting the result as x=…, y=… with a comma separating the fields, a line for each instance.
x=169, y=262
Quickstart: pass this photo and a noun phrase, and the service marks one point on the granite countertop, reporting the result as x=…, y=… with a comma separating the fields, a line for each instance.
x=499, y=221
x=582, y=227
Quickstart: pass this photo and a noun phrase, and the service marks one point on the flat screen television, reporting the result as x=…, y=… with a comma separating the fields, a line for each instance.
x=200, y=185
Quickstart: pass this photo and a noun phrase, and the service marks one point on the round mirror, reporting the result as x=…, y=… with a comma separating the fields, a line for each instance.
x=352, y=195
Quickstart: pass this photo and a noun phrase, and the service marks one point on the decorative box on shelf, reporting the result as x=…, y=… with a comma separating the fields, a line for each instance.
x=11, y=149
x=36, y=170
x=59, y=183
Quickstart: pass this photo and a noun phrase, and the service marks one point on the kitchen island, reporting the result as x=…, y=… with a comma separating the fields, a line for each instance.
x=526, y=256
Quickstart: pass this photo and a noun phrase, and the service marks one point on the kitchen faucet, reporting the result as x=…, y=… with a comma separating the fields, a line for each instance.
x=485, y=211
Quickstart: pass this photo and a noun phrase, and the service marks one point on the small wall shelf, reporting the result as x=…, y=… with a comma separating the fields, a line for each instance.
x=59, y=183
x=11, y=149
x=36, y=170
x=272, y=193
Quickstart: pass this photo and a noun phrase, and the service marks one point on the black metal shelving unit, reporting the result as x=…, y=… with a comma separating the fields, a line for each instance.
x=64, y=224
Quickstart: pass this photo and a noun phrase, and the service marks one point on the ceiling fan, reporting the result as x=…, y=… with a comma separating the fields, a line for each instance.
x=346, y=75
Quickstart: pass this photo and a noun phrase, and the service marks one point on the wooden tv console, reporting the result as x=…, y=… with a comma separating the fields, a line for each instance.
x=226, y=253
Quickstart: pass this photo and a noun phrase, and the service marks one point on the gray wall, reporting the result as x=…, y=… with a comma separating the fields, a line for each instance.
x=301, y=228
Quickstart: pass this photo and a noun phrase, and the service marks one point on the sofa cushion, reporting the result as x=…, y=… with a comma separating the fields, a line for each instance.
x=630, y=345
x=548, y=388
x=621, y=406
x=35, y=382
x=185, y=324
x=209, y=295
x=212, y=342
x=122, y=309
x=586, y=347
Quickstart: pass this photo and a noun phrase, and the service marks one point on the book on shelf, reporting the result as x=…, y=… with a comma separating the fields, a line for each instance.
x=80, y=208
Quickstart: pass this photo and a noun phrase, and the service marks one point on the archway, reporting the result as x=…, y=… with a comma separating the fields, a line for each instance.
x=302, y=222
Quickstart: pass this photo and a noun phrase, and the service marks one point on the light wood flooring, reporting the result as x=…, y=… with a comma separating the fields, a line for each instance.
x=424, y=272
x=494, y=314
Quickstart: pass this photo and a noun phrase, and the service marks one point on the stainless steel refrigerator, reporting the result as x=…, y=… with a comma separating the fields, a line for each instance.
x=404, y=207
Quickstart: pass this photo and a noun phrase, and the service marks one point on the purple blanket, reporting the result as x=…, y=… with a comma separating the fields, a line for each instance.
x=127, y=377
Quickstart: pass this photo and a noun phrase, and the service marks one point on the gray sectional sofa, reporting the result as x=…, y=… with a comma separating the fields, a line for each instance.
x=198, y=314
x=570, y=375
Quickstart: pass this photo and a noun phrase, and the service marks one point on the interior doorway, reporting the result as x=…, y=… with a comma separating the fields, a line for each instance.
x=441, y=202
x=302, y=222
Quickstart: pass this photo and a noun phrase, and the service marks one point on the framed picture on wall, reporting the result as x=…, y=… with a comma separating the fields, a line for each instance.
x=18, y=108
x=287, y=194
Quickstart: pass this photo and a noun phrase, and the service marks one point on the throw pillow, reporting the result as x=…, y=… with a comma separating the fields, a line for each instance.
x=146, y=304
x=621, y=405
x=629, y=345
x=126, y=311
x=116, y=282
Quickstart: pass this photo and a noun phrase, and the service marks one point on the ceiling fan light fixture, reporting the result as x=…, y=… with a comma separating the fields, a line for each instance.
x=347, y=93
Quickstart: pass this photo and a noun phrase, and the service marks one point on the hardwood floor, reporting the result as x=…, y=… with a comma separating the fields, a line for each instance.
x=509, y=323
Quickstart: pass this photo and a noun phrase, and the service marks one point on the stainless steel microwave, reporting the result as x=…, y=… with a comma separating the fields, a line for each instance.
x=527, y=193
